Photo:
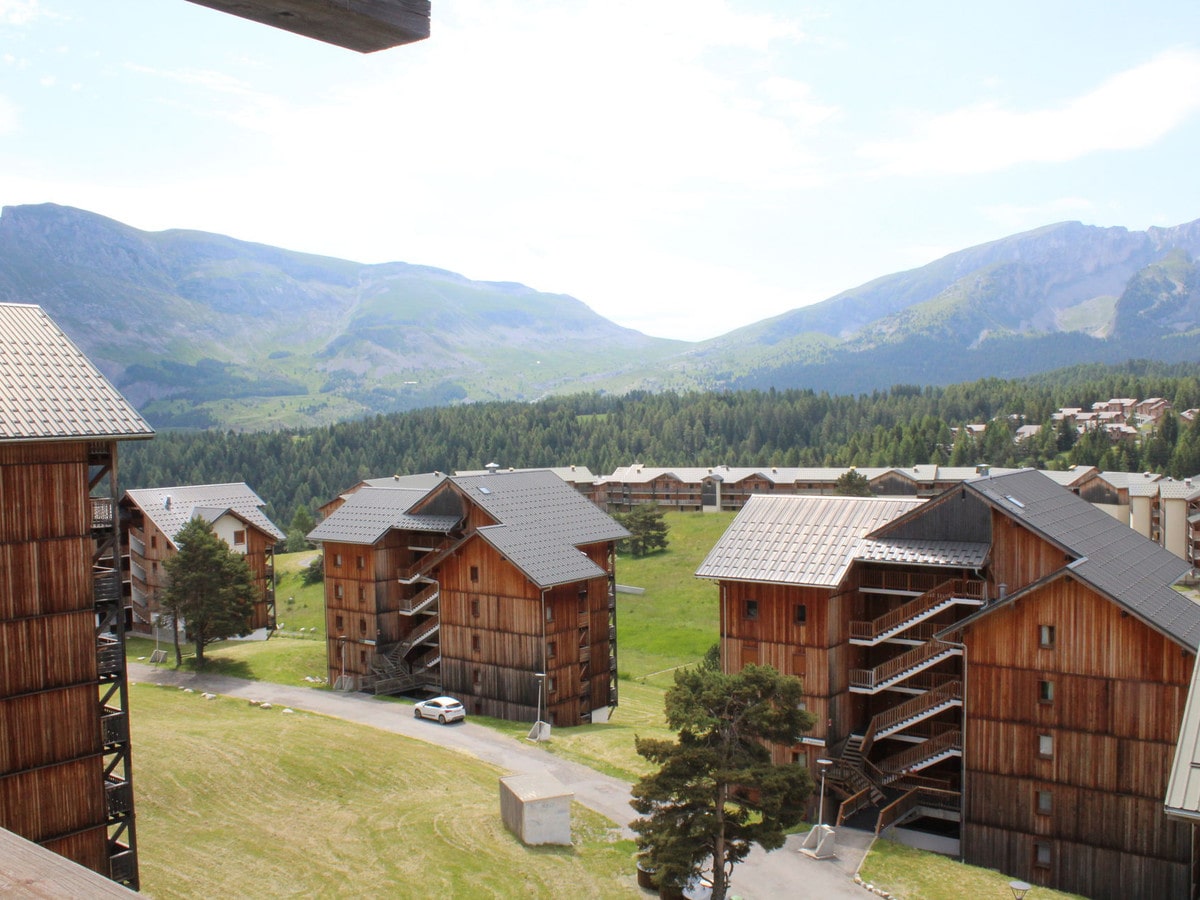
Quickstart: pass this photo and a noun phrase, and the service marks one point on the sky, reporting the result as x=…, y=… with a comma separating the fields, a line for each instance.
x=683, y=167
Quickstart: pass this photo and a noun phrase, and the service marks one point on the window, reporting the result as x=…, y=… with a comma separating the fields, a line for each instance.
x=1046, y=745
x=153, y=541
x=1041, y=855
x=362, y=593
x=549, y=613
x=1046, y=636
x=474, y=573
x=362, y=657
x=801, y=613
x=338, y=592
x=1045, y=803
x=475, y=607
x=802, y=706
x=475, y=643
x=337, y=559
x=551, y=684
x=337, y=624
x=362, y=626
x=239, y=537
x=552, y=649
x=751, y=609
x=361, y=562
x=476, y=677
x=1045, y=692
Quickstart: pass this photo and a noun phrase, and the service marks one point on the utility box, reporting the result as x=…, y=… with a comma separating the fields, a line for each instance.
x=536, y=808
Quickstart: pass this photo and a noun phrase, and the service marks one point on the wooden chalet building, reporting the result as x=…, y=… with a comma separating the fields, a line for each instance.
x=473, y=587
x=1006, y=660
x=64, y=725
x=152, y=519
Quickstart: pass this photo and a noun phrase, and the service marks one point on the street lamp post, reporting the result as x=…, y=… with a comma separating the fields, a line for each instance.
x=824, y=764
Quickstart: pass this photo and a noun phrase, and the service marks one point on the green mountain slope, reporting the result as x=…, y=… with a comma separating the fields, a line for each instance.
x=201, y=330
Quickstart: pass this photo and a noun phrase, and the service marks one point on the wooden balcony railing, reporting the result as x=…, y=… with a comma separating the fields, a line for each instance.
x=956, y=590
x=902, y=666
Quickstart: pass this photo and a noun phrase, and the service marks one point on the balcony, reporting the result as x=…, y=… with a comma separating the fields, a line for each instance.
x=119, y=794
x=110, y=656
x=114, y=726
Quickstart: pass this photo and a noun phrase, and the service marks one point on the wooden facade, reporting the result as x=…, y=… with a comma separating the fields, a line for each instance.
x=438, y=608
x=147, y=542
x=64, y=733
x=966, y=669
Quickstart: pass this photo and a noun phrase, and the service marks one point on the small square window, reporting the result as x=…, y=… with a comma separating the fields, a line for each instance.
x=1041, y=855
x=1046, y=636
x=1045, y=803
x=1045, y=692
x=1046, y=745
x=751, y=609
x=239, y=537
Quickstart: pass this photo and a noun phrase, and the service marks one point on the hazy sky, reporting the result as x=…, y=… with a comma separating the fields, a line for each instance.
x=684, y=167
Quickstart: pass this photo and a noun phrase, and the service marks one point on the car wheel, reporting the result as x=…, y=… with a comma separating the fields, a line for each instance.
x=441, y=718
x=416, y=713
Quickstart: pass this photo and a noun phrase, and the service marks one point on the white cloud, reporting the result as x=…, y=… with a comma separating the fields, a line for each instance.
x=18, y=12
x=1130, y=110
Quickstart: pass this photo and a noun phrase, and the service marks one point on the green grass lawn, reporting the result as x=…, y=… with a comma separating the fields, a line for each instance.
x=238, y=801
x=909, y=874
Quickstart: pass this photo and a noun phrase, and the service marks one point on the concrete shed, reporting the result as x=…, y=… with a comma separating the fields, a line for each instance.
x=536, y=808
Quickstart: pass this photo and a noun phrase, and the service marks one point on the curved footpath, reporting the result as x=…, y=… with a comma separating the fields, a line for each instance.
x=784, y=873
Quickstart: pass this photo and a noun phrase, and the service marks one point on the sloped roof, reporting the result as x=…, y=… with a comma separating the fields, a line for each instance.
x=797, y=539
x=953, y=554
x=1179, y=490
x=1183, y=787
x=1071, y=476
x=541, y=521
x=570, y=474
x=1111, y=557
x=50, y=391
x=370, y=512
x=171, y=508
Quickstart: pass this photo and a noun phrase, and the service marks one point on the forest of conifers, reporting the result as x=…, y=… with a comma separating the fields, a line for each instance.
x=906, y=425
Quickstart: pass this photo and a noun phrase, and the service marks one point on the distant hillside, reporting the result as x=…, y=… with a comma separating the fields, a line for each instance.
x=201, y=330
x=1057, y=296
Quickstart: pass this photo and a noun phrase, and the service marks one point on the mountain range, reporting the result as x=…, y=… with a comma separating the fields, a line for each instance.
x=201, y=330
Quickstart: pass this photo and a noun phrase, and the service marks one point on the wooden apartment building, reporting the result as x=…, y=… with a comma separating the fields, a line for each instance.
x=475, y=586
x=1005, y=661
x=64, y=727
x=152, y=519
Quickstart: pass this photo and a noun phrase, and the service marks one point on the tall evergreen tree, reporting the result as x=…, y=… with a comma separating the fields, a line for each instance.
x=697, y=806
x=210, y=589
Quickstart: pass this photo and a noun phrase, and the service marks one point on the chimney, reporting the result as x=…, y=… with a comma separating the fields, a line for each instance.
x=492, y=468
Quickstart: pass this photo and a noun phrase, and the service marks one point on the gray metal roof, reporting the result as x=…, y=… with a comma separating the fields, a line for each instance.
x=50, y=391
x=1189, y=489
x=953, y=554
x=421, y=482
x=171, y=508
x=797, y=539
x=1071, y=476
x=541, y=521
x=371, y=512
x=1131, y=570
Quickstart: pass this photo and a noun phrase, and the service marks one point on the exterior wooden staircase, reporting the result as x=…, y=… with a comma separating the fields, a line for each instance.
x=902, y=667
x=426, y=563
x=956, y=591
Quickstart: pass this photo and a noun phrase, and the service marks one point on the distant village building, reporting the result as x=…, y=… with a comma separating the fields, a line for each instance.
x=65, y=773
x=153, y=519
x=1005, y=659
x=498, y=589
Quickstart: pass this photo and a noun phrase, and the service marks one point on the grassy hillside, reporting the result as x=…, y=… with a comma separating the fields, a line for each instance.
x=238, y=801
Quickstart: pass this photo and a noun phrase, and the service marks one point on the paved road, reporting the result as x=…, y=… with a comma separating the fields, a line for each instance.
x=785, y=873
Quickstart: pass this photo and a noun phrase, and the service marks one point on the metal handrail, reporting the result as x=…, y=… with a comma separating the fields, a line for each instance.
x=948, y=591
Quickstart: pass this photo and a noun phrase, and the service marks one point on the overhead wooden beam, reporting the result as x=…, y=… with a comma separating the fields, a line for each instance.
x=362, y=25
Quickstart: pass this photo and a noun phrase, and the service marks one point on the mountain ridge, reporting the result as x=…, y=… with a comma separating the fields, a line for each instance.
x=204, y=330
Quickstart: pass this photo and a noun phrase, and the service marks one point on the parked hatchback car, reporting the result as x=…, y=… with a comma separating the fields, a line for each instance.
x=444, y=709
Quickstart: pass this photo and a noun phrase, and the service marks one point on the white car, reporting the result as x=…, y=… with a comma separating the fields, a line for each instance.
x=444, y=709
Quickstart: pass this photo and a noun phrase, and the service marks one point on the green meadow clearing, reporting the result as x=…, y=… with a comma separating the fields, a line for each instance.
x=237, y=801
